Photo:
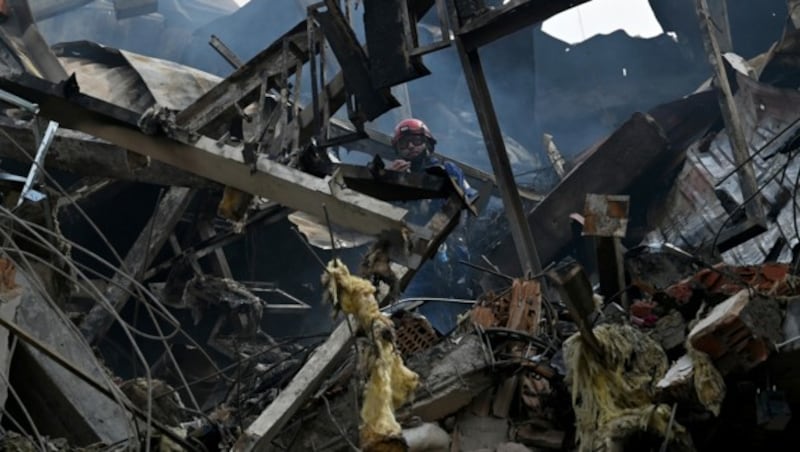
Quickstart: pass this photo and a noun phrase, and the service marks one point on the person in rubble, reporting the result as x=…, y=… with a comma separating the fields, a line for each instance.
x=445, y=277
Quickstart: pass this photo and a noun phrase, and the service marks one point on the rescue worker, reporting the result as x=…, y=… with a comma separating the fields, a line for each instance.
x=414, y=144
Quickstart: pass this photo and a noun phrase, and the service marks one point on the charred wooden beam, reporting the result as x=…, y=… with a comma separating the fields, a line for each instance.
x=259, y=434
x=509, y=18
x=141, y=255
x=730, y=115
x=393, y=185
x=722, y=27
x=606, y=219
x=372, y=101
x=20, y=29
x=225, y=52
x=576, y=293
x=390, y=39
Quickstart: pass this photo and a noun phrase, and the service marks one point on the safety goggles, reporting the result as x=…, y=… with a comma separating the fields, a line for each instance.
x=410, y=140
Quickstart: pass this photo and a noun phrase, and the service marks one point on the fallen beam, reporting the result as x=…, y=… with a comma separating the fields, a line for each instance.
x=70, y=360
x=628, y=161
x=576, y=293
x=221, y=163
x=139, y=258
x=259, y=435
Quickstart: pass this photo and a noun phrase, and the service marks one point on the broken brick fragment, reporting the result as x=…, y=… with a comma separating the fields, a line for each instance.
x=738, y=333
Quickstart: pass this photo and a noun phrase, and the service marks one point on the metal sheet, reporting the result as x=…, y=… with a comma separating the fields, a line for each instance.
x=172, y=85
x=694, y=214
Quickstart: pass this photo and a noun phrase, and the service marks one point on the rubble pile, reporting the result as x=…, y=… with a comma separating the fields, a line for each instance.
x=164, y=231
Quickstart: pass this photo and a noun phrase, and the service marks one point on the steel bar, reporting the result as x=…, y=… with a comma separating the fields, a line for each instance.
x=225, y=52
x=13, y=99
x=38, y=161
x=493, y=137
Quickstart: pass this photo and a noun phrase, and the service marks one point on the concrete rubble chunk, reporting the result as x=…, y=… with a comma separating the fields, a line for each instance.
x=740, y=332
x=62, y=405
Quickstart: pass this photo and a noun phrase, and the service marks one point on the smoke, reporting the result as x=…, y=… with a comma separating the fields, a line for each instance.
x=538, y=85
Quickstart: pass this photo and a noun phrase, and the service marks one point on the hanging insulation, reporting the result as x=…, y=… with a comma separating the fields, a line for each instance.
x=613, y=394
x=390, y=382
x=708, y=382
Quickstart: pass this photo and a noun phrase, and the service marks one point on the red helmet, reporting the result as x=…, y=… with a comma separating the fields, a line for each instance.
x=412, y=126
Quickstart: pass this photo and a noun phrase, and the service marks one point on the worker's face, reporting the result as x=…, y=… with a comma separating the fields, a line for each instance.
x=411, y=147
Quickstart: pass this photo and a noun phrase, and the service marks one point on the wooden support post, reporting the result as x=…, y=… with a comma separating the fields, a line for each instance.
x=606, y=219
x=611, y=269
x=718, y=10
x=730, y=115
x=141, y=255
x=576, y=293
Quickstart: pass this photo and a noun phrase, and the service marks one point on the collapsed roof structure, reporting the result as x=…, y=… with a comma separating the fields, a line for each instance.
x=169, y=186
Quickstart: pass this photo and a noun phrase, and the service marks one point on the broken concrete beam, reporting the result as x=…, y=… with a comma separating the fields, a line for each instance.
x=740, y=332
x=450, y=378
x=61, y=404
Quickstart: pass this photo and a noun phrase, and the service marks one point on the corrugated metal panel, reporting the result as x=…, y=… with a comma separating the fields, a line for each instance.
x=694, y=214
x=119, y=85
x=172, y=85
x=132, y=81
